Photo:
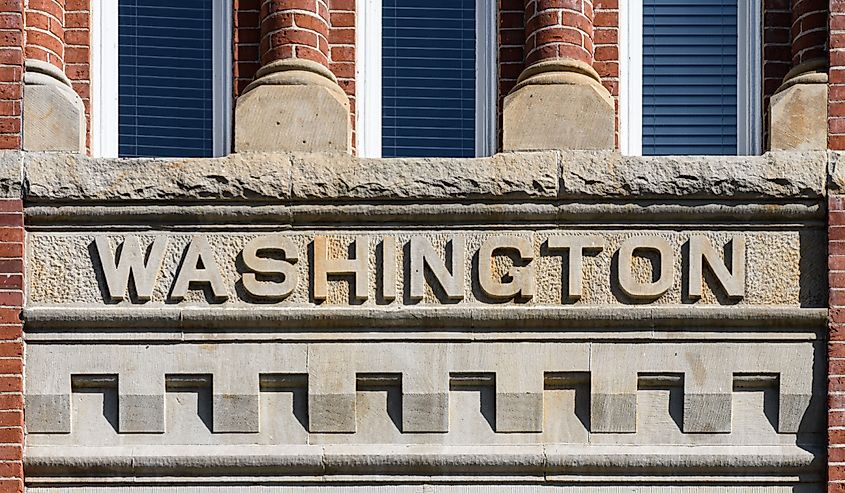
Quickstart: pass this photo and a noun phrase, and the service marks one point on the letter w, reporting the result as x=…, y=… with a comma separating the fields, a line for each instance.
x=131, y=265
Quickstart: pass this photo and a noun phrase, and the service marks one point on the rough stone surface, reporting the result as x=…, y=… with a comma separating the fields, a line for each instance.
x=69, y=177
x=336, y=177
x=775, y=174
x=798, y=118
x=53, y=119
x=305, y=118
x=558, y=116
x=503, y=175
x=11, y=174
x=836, y=172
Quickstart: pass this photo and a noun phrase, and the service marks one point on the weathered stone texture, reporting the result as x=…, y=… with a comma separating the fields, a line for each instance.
x=782, y=174
x=236, y=177
x=334, y=177
x=798, y=117
x=53, y=113
x=501, y=176
x=11, y=174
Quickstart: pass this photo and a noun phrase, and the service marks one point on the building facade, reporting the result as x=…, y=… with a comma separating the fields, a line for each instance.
x=422, y=245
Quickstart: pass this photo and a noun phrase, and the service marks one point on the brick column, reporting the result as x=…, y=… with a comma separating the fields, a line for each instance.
x=53, y=113
x=556, y=29
x=294, y=53
x=45, y=31
x=294, y=29
x=558, y=101
x=11, y=345
x=809, y=30
x=798, y=116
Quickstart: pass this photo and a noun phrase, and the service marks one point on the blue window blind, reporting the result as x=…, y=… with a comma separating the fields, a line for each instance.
x=165, y=78
x=689, y=77
x=428, y=78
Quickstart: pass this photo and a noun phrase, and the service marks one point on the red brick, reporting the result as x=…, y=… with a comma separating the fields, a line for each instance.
x=11, y=435
x=11, y=402
x=11, y=469
x=836, y=436
x=836, y=384
x=836, y=401
x=11, y=298
x=11, y=250
x=11, y=485
x=11, y=383
x=12, y=219
x=11, y=349
x=10, y=418
x=10, y=452
x=10, y=366
x=10, y=316
x=11, y=235
x=11, y=281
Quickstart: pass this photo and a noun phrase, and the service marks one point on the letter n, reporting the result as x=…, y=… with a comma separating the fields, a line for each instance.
x=733, y=282
x=130, y=266
x=424, y=255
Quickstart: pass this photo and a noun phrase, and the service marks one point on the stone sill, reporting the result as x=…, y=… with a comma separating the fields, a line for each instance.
x=548, y=176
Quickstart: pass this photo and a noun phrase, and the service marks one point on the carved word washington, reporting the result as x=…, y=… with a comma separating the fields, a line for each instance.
x=501, y=267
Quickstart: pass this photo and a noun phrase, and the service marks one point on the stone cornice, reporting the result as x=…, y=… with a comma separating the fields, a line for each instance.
x=509, y=177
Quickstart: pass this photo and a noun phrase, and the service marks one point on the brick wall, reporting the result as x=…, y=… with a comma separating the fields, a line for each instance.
x=78, y=53
x=809, y=30
x=11, y=73
x=836, y=344
x=836, y=107
x=606, y=40
x=11, y=345
x=342, y=51
x=777, y=51
x=511, y=36
x=245, y=37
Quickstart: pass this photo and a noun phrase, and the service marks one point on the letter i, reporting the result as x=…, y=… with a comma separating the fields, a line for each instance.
x=388, y=268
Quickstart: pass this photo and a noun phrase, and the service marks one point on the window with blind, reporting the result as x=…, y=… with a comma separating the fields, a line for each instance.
x=426, y=78
x=165, y=73
x=692, y=77
x=689, y=77
x=162, y=80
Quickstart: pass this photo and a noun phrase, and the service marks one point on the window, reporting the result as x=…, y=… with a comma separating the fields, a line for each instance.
x=690, y=77
x=162, y=78
x=426, y=73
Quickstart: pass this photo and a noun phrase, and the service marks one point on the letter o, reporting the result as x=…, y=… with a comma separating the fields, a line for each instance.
x=645, y=290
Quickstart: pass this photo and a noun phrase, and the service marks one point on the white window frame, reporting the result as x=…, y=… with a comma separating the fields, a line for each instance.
x=749, y=77
x=368, y=73
x=104, y=80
